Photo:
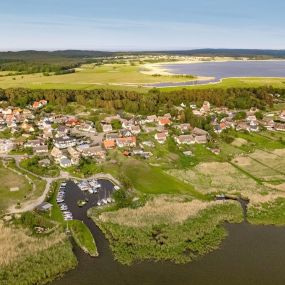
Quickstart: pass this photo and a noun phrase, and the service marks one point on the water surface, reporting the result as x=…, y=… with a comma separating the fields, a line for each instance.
x=219, y=70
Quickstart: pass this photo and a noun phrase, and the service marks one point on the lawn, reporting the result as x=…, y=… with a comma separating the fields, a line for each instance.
x=9, y=180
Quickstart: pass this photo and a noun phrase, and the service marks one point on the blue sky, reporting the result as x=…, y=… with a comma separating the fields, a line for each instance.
x=141, y=24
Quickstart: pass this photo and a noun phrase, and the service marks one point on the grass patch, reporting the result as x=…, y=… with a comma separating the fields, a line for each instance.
x=83, y=237
x=9, y=180
x=269, y=213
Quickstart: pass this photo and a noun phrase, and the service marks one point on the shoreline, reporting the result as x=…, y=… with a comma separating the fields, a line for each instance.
x=157, y=68
x=211, y=83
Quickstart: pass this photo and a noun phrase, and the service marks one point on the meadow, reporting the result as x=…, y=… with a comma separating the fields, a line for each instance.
x=22, y=250
x=13, y=188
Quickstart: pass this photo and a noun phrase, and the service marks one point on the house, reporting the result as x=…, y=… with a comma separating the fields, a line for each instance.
x=161, y=137
x=56, y=153
x=135, y=129
x=126, y=142
x=251, y=118
x=268, y=123
x=109, y=144
x=39, y=104
x=107, y=128
x=242, y=126
x=65, y=162
x=280, y=127
x=27, y=127
x=73, y=153
x=185, y=139
x=94, y=151
x=206, y=107
x=33, y=143
x=6, y=146
x=40, y=150
x=62, y=131
x=184, y=128
x=44, y=162
x=44, y=207
x=72, y=122
x=163, y=121
x=88, y=128
x=125, y=133
x=47, y=133
x=151, y=119
x=199, y=132
x=65, y=142
x=201, y=139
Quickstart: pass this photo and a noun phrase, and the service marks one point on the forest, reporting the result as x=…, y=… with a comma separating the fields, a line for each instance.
x=151, y=102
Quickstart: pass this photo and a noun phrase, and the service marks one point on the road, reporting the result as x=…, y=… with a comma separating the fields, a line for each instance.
x=32, y=204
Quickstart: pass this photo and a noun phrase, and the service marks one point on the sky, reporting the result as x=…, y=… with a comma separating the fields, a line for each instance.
x=122, y=25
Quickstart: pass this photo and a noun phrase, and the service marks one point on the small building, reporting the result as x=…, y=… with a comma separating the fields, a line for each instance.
x=185, y=139
x=202, y=139
x=107, y=128
x=126, y=142
x=161, y=137
x=44, y=207
x=40, y=150
x=65, y=162
x=109, y=144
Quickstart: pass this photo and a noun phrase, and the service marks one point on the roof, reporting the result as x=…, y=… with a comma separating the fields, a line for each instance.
x=109, y=144
x=164, y=121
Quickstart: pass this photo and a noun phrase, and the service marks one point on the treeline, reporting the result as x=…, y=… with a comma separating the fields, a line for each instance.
x=23, y=67
x=152, y=102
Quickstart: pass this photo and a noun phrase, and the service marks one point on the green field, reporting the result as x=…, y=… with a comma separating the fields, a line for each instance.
x=9, y=180
x=147, y=178
x=88, y=77
x=119, y=76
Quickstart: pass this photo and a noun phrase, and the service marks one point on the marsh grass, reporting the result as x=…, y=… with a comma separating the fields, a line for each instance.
x=179, y=242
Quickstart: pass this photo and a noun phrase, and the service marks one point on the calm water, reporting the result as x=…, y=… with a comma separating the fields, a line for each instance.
x=220, y=70
x=251, y=255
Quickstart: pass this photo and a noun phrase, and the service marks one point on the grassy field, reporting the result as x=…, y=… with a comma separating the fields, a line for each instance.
x=88, y=77
x=219, y=177
x=147, y=178
x=120, y=76
x=49, y=255
x=158, y=238
x=9, y=180
x=268, y=213
x=246, y=82
x=83, y=237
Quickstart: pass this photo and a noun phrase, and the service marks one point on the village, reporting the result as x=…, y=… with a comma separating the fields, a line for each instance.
x=64, y=140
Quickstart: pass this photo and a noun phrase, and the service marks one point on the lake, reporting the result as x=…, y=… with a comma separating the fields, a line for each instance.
x=250, y=255
x=220, y=70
